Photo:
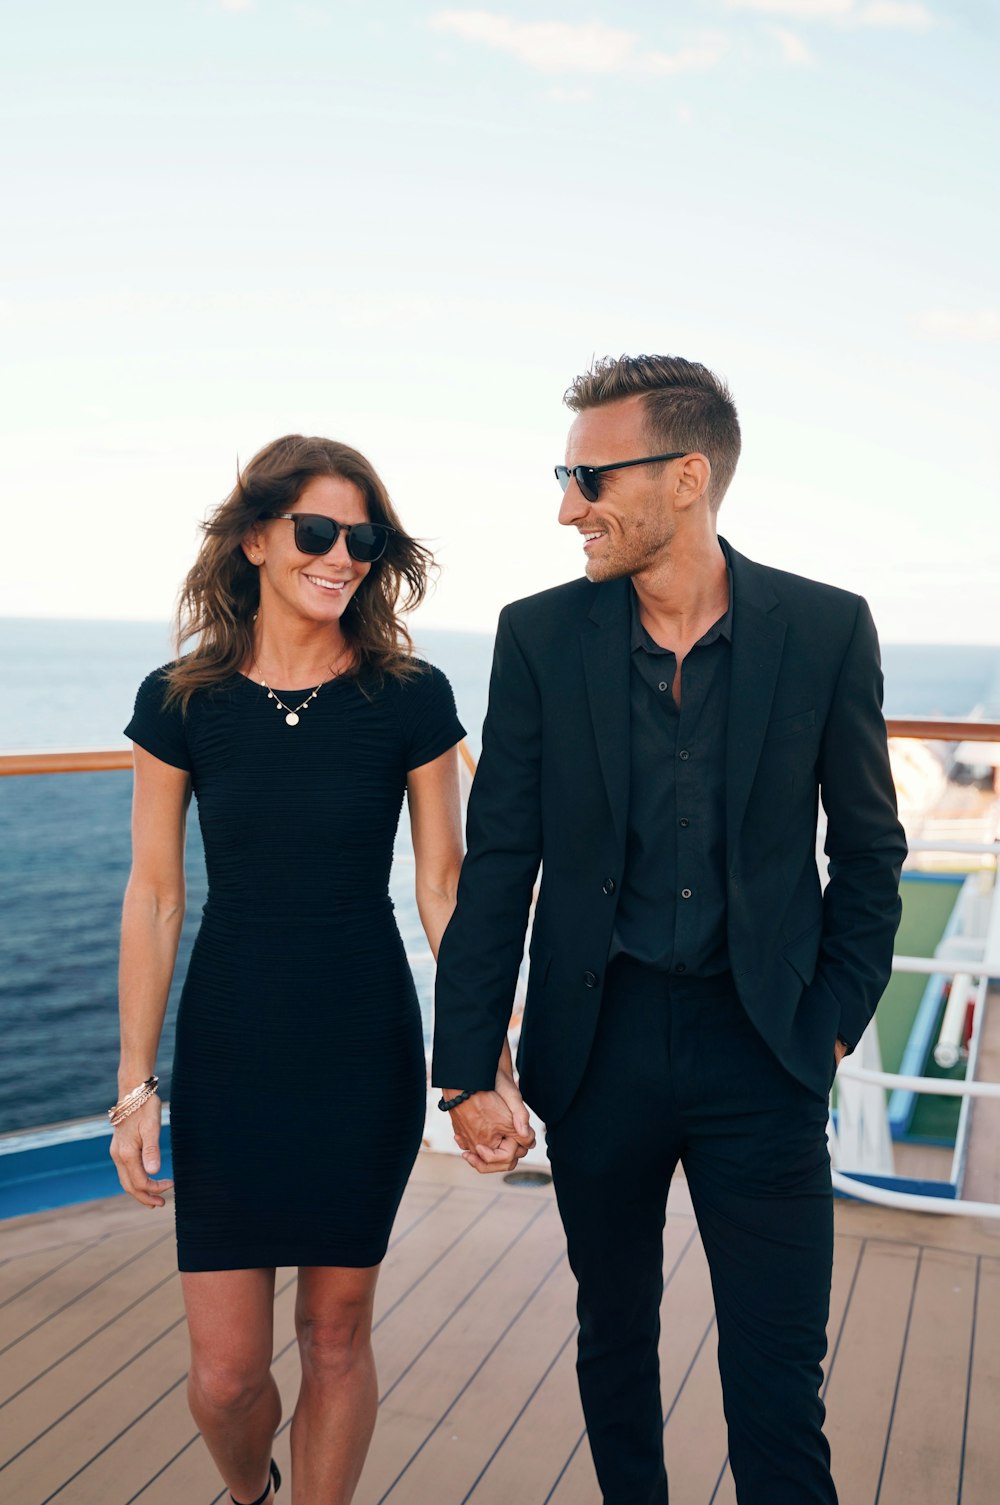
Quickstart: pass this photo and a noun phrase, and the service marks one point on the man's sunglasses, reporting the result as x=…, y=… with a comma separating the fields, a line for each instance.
x=315, y=534
x=587, y=476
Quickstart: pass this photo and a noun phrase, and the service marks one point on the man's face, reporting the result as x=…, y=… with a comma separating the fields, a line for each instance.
x=631, y=525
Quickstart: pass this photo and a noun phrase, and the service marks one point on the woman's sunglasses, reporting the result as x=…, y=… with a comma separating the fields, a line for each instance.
x=315, y=534
x=587, y=476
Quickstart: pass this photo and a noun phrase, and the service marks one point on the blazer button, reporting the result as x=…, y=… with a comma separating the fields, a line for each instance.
x=590, y=979
x=608, y=885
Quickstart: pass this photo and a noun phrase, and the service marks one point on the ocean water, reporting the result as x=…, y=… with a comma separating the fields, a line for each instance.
x=64, y=839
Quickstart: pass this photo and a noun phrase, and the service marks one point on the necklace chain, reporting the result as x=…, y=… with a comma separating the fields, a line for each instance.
x=292, y=712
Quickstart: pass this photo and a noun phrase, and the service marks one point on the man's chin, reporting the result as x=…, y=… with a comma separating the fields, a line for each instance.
x=599, y=571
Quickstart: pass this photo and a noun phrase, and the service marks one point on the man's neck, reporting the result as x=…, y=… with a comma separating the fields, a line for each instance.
x=680, y=599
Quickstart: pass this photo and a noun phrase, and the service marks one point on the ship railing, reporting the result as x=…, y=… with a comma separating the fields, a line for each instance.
x=860, y=1131
x=860, y=1136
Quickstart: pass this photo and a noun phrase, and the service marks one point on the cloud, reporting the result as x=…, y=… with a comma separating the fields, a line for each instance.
x=889, y=15
x=794, y=51
x=973, y=326
x=899, y=15
x=584, y=47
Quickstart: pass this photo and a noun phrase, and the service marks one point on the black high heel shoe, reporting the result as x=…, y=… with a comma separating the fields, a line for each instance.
x=273, y=1483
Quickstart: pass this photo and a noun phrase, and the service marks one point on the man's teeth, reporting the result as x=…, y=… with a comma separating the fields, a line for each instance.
x=327, y=585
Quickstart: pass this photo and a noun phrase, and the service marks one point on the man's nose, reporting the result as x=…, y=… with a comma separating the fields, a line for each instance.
x=574, y=505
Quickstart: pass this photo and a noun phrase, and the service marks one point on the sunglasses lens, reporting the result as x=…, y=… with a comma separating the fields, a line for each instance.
x=585, y=477
x=366, y=542
x=588, y=481
x=315, y=534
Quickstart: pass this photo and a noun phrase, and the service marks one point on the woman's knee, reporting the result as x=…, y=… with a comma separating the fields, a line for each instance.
x=332, y=1343
x=227, y=1386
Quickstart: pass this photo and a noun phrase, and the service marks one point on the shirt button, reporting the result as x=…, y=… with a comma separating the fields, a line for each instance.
x=590, y=979
x=684, y=755
x=664, y=685
x=684, y=822
x=685, y=893
x=680, y=967
x=608, y=885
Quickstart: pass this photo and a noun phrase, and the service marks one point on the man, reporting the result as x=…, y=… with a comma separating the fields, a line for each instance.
x=657, y=739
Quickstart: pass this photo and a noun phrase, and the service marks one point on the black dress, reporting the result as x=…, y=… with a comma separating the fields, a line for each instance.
x=297, y=1103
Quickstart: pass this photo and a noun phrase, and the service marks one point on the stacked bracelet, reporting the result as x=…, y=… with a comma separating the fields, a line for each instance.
x=447, y=1103
x=133, y=1101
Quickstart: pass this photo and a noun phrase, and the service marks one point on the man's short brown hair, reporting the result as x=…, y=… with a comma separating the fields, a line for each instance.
x=687, y=407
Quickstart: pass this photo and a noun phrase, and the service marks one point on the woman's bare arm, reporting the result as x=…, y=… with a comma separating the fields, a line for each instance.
x=152, y=915
x=436, y=827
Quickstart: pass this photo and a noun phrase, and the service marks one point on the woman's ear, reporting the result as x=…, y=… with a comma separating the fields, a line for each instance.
x=253, y=546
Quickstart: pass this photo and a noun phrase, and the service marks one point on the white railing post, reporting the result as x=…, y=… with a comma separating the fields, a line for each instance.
x=863, y=1142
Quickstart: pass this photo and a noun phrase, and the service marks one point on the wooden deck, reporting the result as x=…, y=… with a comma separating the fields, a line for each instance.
x=475, y=1341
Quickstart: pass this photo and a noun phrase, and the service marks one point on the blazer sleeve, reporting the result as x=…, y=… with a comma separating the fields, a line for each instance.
x=481, y=951
x=865, y=843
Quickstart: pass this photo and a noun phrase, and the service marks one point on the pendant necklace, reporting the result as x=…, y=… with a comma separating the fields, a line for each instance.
x=292, y=712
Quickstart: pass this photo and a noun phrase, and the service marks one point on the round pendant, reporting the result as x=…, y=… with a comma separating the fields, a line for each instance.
x=291, y=719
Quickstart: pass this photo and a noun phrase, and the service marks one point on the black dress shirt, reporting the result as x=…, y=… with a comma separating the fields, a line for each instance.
x=672, y=910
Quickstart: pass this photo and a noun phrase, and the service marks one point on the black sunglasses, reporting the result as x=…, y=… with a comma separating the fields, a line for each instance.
x=315, y=534
x=586, y=475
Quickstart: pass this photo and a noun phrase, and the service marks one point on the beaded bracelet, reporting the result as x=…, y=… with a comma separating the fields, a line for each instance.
x=446, y=1104
x=133, y=1101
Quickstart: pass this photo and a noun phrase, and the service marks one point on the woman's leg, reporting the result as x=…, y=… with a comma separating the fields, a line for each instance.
x=335, y=1413
x=231, y=1390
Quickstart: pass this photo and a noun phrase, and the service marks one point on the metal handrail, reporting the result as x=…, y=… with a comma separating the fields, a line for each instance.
x=929, y=728
x=932, y=1086
x=942, y=729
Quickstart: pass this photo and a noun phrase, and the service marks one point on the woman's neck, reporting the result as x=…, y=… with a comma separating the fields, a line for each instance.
x=300, y=657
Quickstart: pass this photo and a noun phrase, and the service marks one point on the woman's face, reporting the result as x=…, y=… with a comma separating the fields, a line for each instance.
x=315, y=586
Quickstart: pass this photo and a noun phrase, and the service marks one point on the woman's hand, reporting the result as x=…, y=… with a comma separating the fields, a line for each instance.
x=503, y=1157
x=507, y=1088
x=135, y=1149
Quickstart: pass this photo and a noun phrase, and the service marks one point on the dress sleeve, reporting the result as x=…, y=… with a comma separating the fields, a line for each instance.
x=156, y=727
x=430, y=719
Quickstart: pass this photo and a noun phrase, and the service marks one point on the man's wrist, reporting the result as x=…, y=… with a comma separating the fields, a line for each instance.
x=451, y=1098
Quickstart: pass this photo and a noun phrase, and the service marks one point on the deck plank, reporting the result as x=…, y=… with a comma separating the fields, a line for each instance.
x=982, y=1435
x=475, y=1342
x=862, y=1382
x=413, y=1410
x=57, y=1311
x=924, y=1446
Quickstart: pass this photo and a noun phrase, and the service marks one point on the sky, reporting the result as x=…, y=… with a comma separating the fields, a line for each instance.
x=409, y=227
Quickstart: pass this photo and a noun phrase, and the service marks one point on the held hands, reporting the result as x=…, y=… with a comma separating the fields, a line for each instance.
x=135, y=1149
x=492, y=1128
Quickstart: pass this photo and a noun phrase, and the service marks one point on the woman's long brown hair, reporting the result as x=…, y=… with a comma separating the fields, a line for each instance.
x=221, y=594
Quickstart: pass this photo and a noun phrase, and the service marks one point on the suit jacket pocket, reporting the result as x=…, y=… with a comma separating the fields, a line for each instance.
x=786, y=726
x=801, y=953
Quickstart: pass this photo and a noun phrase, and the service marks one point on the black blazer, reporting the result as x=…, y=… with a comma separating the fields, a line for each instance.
x=552, y=789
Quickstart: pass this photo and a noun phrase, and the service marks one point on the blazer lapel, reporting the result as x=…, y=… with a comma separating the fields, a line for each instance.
x=758, y=638
x=604, y=643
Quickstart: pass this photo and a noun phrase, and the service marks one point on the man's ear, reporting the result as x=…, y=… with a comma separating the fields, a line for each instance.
x=692, y=480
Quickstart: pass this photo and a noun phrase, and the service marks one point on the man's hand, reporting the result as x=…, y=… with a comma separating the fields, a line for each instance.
x=839, y=1051
x=491, y=1128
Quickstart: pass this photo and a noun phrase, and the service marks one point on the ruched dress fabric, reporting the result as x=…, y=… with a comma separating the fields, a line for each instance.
x=298, y=1091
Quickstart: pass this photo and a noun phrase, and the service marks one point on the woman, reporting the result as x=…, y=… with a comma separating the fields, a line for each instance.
x=298, y=1094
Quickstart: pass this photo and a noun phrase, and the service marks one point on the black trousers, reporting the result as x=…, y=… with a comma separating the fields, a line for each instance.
x=678, y=1072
